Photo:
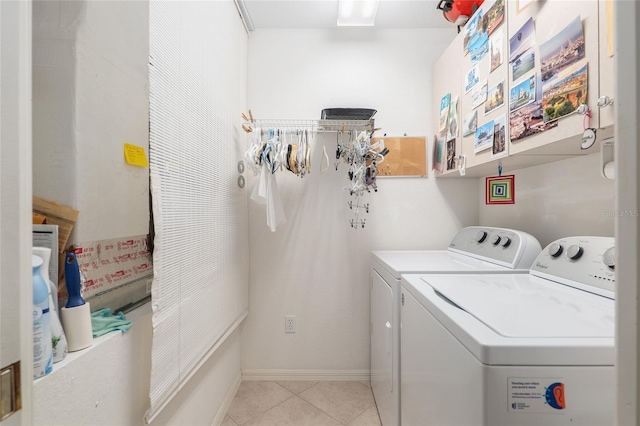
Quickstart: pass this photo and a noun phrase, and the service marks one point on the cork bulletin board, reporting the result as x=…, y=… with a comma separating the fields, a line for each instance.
x=407, y=156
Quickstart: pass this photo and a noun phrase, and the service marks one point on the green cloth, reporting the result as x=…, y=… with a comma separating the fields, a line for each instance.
x=102, y=322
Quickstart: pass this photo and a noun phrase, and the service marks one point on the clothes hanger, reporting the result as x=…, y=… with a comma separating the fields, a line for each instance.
x=324, y=161
x=308, y=152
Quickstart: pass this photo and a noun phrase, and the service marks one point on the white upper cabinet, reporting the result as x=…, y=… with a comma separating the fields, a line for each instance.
x=542, y=61
x=607, y=72
x=559, y=49
x=447, y=80
x=486, y=102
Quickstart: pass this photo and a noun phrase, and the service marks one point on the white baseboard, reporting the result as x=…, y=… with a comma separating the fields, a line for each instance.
x=314, y=375
x=227, y=400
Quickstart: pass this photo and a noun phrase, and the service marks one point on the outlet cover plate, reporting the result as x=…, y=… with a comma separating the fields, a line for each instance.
x=290, y=324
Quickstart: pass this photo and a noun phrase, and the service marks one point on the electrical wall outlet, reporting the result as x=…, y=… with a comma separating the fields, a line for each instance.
x=290, y=324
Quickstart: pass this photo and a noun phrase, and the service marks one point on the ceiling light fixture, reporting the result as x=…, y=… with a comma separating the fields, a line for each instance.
x=357, y=13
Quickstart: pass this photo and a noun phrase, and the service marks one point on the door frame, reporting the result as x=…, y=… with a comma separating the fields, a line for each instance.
x=627, y=136
x=15, y=197
x=627, y=196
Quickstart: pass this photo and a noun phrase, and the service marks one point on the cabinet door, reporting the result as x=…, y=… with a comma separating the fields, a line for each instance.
x=447, y=79
x=607, y=76
x=550, y=17
x=496, y=105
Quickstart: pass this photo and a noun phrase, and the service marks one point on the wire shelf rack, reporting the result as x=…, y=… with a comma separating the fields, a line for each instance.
x=313, y=125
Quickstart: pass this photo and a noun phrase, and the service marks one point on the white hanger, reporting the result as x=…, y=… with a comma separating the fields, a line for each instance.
x=324, y=161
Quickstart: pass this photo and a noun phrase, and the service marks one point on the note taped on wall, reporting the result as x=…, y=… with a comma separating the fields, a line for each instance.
x=407, y=156
x=135, y=155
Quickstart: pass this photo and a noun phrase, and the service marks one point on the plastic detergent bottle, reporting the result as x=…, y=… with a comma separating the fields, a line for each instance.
x=58, y=339
x=42, y=352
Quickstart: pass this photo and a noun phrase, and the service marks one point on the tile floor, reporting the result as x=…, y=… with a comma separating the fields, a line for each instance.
x=301, y=403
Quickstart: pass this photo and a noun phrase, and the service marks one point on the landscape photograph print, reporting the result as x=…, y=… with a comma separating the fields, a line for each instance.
x=522, y=50
x=522, y=94
x=484, y=137
x=495, y=50
x=469, y=123
x=563, y=50
x=499, y=148
x=495, y=98
x=566, y=91
x=495, y=16
x=528, y=120
x=476, y=39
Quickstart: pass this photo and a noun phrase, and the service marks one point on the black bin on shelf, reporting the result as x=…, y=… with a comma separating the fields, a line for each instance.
x=347, y=114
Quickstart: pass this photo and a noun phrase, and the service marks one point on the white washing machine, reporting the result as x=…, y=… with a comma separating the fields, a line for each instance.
x=534, y=349
x=474, y=250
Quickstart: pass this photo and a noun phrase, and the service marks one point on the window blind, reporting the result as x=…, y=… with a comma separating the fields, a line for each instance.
x=197, y=89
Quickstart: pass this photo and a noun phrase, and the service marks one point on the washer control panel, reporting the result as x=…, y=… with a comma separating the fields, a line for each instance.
x=584, y=262
x=507, y=247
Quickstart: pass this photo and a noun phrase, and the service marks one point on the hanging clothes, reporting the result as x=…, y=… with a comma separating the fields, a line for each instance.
x=283, y=149
x=266, y=193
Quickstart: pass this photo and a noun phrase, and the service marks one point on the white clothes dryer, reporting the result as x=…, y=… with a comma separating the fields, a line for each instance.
x=473, y=250
x=534, y=349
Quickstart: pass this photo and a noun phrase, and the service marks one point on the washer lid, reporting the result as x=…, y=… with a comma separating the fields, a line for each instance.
x=434, y=262
x=523, y=306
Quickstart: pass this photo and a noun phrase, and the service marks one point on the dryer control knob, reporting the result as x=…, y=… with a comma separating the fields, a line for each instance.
x=481, y=236
x=555, y=249
x=506, y=242
x=609, y=258
x=574, y=252
x=495, y=240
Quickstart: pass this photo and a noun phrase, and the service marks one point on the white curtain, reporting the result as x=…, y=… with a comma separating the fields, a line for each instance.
x=197, y=74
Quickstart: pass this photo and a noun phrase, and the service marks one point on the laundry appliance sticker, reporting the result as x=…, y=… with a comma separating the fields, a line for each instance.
x=536, y=395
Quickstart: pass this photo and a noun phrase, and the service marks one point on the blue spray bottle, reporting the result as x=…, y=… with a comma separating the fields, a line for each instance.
x=42, y=350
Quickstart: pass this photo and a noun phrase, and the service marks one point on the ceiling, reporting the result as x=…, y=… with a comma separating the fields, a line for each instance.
x=324, y=14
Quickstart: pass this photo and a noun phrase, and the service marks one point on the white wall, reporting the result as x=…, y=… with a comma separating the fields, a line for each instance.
x=91, y=83
x=316, y=266
x=109, y=384
x=555, y=200
x=90, y=97
x=55, y=27
x=106, y=384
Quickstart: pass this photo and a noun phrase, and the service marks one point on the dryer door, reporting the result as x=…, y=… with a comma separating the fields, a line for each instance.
x=382, y=348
